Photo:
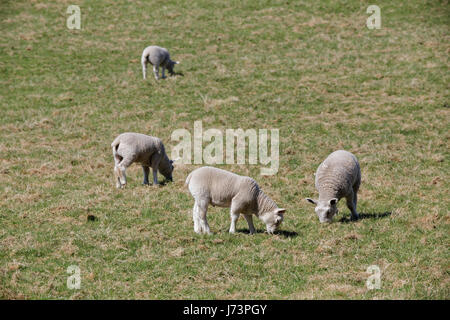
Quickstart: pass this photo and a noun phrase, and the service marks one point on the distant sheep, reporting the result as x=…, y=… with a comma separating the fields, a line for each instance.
x=149, y=151
x=241, y=194
x=338, y=176
x=157, y=57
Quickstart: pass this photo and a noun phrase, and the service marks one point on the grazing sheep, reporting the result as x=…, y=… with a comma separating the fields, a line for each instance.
x=339, y=176
x=157, y=56
x=241, y=194
x=149, y=151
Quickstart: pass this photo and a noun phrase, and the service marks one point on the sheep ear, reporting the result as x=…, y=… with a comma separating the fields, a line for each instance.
x=171, y=161
x=177, y=62
x=281, y=210
x=312, y=201
x=333, y=201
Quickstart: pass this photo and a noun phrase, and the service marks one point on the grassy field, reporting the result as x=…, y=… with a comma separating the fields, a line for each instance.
x=312, y=69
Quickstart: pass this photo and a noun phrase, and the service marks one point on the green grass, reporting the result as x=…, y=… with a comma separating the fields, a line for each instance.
x=310, y=68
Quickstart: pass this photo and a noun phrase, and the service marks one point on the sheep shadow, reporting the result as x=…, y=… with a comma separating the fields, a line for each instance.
x=160, y=184
x=283, y=233
x=164, y=182
x=371, y=216
x=176, y=74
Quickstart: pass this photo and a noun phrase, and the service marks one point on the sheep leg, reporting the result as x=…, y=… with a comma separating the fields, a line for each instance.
x=155, y=176
x=234, y=217
x=235, y=210
x=117, y=177
x=116, y=170
x=202, y=206
x=355, y=196
x=197, y=228
x=120, y=171
x=355, y=201
x=122, y=176
x=156, y=71
x=234, y=213
x=163, y=71
x=146, y=172
x=351, y=204
x=155, y=165
x=249, y=219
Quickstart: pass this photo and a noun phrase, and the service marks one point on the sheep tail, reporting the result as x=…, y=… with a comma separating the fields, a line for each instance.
x=115, y=146
x=144, y=61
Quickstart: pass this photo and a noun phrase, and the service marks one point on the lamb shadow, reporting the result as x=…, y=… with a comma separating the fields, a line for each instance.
x=175, y=74
x=283, y=233
x=286, y=233
x=371, y=216
x=160, y=183
x=164, y=182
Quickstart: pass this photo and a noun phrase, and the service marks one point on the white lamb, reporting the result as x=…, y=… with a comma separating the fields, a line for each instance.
x=157, y=56
x=149, y=151
x=338, y=176
x=241, y=194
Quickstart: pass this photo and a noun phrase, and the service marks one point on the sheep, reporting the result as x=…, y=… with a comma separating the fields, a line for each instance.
x=225, y=189
x=338, y=176
x=157, y=56
x=149, y=151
